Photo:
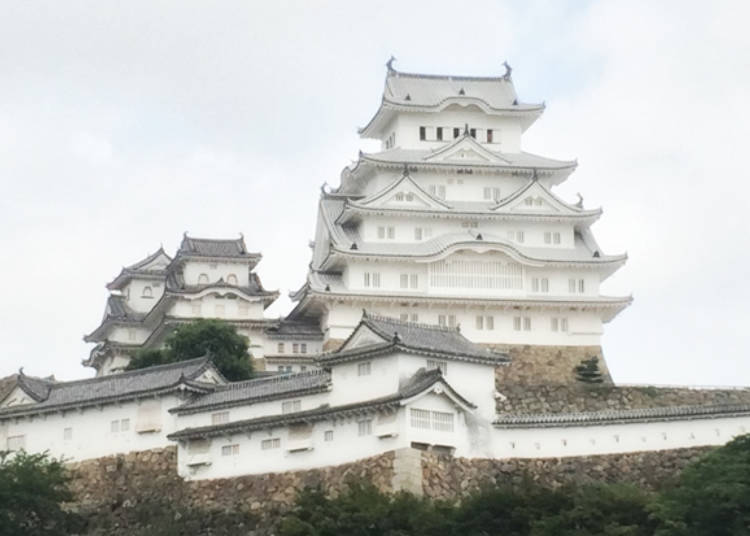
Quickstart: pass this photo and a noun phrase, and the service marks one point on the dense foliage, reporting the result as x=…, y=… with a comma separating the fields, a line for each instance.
x=32, y=489
x=711, y=497
x=215, y=338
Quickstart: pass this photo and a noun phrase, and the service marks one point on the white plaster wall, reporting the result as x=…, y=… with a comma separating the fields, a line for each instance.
x=91, y=428
x=215, y=271
x=213, y=306
x=135, y=298
x=506, y=136
x=347, y=446
x=584, y=327
x=615, y=438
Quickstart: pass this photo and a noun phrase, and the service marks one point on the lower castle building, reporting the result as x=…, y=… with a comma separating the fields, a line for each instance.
x=391, y=385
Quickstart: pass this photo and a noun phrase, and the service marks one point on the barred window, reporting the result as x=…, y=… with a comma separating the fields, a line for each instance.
x=290, y=406
x=364, y=369
x=268, y=444
x=442, y=421
x=420, y=418
x=220, y=417
x=364, y=428
x=328, y=435
x=230, y=450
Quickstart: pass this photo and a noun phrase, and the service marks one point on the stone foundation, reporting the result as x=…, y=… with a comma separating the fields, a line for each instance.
x=122, y=494
x=451, y=478
x=533, y=365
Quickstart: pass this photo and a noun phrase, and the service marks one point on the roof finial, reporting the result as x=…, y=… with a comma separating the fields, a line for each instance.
x=323, y=187
x=20, y=372
x=466, y=129
x=406, y=169
x=534, y=176
x=508, y=70
x=364, y=313
x=396, y=337
x=579, y=204
x=389, y=64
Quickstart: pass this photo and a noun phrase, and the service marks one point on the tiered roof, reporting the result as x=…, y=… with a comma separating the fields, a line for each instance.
x=154, y=266
x=410, y=92
x=410, y=337
x=211, y=248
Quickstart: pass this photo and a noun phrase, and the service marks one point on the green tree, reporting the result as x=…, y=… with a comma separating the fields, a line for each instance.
x=711, y=496
x=598, y=510
x=219, y=340
x=32, y=490
x=363, y=510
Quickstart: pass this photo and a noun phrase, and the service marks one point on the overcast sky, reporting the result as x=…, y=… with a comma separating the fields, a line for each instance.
x=124, y=124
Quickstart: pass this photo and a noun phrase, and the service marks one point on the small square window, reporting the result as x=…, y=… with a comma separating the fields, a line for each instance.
x=291, y=406
x=220, y=418
x=480, y=322
x=124, y=425
x=114, y=426
x=364, y=369
x=328, y=435
x=526, y=323
x=364, y=428
x=268, y=444
x=67, y=434
x=230, y=450
x=295, y=348
x=280, y=348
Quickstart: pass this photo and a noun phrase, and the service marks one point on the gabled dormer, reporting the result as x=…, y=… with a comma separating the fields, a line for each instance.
x=403, y=192
x=535, y=198
x=153, y=267
x=466, y=149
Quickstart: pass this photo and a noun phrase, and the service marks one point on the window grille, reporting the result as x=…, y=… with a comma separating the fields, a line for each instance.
x=268, y=444
x=280, y=347
x=556, y=238
x=230, y=450
x=418, y=233
x=364, y=428
x=420, y=418
x=328, y=435
x=291, y=406
x=476, y=274
x=404, y=281
x=220, y=417
x=364, y=369
x=442, y=421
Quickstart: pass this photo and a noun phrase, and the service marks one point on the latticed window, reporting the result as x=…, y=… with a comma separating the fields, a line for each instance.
x=420, y=418
x=364, y=428
x=220, y=417
x=442, y=421
x=272, y=443
x=290, y=406
x=328, y=435
x=230, y=450
x=364, y=369
x=476, y=274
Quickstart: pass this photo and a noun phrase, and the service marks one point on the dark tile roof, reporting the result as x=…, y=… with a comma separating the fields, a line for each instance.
x=417, y=384
x=7, y=384
x=124, y=386
x=546, y=420
x=256, y=390
x=414, y=337
x=209, y=247
x=295, y=329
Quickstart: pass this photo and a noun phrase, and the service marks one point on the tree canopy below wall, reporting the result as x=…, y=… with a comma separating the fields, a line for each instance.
x=214, y=338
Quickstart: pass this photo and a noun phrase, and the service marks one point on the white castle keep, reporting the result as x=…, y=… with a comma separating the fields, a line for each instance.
x=452, y=304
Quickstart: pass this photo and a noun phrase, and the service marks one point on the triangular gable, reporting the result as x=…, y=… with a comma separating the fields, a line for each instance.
x=443, y=389
x=158, y=260
x=465, y=149
x=17, y=397
x=362, y=336
x=535, y=198
x=403, y=192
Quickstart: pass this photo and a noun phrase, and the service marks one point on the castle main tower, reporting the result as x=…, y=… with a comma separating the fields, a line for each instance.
x=452, y=223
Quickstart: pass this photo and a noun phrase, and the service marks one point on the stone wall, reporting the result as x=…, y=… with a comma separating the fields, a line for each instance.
x=115, y=491
x=533, y=365
x=580, y=397
x=444, y=477
x=122, y=494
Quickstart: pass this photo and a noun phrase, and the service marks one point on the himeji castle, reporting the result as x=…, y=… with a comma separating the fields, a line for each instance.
x=452, y=305
x=452, y=223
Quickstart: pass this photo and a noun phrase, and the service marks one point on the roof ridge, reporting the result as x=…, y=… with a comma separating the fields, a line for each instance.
x=137, y=372
x=464, y=78
x=407, y=323
x=276, y=378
